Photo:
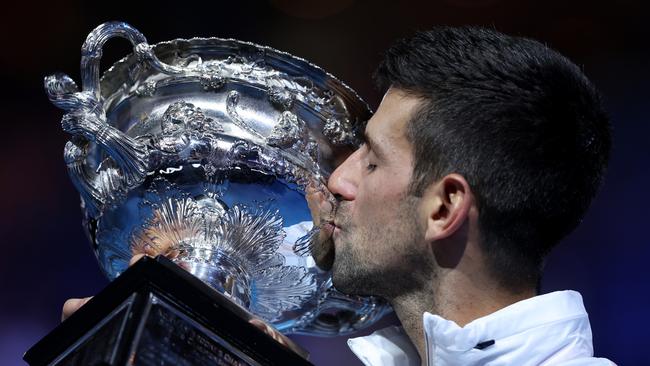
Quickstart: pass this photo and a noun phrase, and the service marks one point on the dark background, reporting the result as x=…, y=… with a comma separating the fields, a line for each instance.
x=46, y=259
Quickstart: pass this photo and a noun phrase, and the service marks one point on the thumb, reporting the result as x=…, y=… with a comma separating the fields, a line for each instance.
x=72, y=305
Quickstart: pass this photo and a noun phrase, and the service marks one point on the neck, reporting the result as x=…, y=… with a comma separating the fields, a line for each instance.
x=455, y=296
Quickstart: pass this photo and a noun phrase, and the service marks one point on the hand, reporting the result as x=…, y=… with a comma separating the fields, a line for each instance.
x=322, y=205
x=275, y=334
x=72, y=305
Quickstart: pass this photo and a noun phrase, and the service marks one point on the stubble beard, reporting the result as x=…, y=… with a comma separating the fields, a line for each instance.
x=359, y=269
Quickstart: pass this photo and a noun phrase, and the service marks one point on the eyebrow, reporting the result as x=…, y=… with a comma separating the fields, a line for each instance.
x=373, y=145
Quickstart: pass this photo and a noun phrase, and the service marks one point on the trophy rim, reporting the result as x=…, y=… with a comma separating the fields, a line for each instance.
x=323, y=79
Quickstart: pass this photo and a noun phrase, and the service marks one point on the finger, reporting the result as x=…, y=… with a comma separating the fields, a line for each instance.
x=259, y=324
x=269, y=330
x=174, y=252
x=72, y=305
x=136, y=258
x=282, y=340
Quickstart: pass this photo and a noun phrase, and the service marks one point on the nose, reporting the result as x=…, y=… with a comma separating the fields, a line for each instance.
x=344, y=181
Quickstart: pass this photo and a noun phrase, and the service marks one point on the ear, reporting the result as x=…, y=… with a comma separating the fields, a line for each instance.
x=447, y=205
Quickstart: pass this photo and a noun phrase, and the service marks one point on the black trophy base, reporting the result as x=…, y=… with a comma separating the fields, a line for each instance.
x=156, y=313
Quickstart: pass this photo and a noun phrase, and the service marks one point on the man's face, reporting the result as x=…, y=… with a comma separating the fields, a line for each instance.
x=378, y=235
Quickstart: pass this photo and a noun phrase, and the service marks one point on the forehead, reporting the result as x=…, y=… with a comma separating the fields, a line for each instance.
x=389, y=123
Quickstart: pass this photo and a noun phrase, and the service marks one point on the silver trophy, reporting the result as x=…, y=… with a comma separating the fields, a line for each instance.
x=201, y=150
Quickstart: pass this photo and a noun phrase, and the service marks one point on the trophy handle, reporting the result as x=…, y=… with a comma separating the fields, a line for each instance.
x=86, y=117
x=91, y=52
x=93, y=187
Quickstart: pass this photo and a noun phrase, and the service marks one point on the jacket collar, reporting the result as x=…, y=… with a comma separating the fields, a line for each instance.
x=530, y=331
x=546, y=324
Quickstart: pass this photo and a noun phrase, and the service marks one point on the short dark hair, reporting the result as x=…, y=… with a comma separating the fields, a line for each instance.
x=519, y=121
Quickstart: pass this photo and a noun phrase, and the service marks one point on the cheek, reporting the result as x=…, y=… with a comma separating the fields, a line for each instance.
x=378, y=197
x=384, y=188
x=377, y=205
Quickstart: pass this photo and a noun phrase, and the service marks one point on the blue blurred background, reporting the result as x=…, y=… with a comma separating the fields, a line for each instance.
x=46, y=258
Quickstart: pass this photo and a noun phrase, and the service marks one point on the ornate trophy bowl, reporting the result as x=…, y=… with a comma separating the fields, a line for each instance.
x=201, y=150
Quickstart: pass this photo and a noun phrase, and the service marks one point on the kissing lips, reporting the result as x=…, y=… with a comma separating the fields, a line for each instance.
x=336, y=232
x=331, y=229
x=327, y=228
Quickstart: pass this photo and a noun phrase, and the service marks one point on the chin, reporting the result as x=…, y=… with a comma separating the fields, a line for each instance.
x=346, y=284
x=341, y=284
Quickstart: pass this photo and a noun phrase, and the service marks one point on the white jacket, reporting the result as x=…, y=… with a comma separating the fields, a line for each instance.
x=550, y=329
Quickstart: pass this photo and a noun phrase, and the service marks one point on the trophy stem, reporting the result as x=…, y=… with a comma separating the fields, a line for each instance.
x=220, y=270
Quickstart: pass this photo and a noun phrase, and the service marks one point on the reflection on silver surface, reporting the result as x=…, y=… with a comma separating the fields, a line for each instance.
x=201, y=150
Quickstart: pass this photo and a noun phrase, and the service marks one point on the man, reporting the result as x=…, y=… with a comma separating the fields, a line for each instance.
x=484, y=153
